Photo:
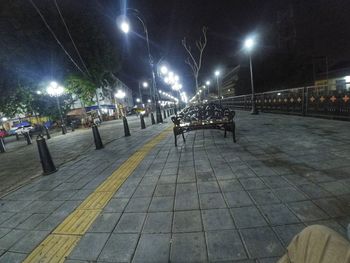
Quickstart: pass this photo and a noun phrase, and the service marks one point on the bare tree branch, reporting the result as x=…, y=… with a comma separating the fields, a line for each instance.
x=194, y=64
x=188, y=49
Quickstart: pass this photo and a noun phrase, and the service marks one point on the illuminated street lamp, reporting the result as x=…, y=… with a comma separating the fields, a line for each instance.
x=249, y=44
x=55, y=90
x=145, y=85
x=164, y=70
x=125, y=27
x=120, y=94
x=138, y=100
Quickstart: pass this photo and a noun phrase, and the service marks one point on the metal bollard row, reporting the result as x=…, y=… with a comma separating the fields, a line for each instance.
x=152, y=119
x=126, y=127
x=143, y=125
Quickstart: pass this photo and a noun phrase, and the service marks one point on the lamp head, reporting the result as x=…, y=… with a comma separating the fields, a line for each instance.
x=249, y=44
x=164, y=70
x=124, y=26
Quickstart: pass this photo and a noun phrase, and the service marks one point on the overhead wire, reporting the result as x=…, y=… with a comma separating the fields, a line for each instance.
x=55, y=37
x=71, y=38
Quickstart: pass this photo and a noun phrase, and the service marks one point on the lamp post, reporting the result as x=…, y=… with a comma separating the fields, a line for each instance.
x=208, y=85
x=217, y=74
x=125, y=27
x=145, y=85
x=249, y=45
x=55, y=90
x=120, y=95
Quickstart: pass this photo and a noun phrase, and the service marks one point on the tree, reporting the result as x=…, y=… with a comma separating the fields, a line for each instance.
x=82, y=86
x=31, y=56
x=196, y=63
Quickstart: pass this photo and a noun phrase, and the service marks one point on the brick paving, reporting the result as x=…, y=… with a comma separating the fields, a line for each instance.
x=63, y=148
x=206, y=200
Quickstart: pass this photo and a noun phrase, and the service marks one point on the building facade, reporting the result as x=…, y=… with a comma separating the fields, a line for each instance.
x=235, y=82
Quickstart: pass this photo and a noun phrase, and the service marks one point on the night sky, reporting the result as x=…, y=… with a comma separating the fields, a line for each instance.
x=291, y=34
x=316, y=29
x=169, y=22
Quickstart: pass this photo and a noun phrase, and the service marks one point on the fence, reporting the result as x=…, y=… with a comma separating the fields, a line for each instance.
x=319, y=101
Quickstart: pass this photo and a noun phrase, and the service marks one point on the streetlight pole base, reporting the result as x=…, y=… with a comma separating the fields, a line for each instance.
x=254, y=111
x=159, y=115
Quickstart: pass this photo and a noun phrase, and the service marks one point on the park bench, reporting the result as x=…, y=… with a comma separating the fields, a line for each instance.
x=204, y=116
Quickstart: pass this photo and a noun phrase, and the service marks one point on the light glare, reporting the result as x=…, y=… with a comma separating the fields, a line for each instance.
x=125, y=27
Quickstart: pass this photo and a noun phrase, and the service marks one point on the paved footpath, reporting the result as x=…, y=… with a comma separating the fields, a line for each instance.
x=21, y=162
x=143, y=200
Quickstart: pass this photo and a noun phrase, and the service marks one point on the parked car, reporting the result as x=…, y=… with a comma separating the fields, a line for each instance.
x=23, y=129
x=37, y=129
x=3, y=133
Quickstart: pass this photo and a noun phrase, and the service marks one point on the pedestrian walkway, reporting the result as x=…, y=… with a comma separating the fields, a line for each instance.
x=206, y=200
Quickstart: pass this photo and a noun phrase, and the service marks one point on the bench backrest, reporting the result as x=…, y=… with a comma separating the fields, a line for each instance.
x=204, y=112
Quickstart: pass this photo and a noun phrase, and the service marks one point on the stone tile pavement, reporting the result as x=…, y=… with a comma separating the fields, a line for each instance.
x=206, y=200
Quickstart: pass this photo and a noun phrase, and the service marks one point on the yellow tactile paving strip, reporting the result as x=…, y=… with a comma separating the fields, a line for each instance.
x=57, y=246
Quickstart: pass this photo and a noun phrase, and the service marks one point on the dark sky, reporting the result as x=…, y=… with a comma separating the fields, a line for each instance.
x=169, y=22
x=285, y=50
x=318, y=29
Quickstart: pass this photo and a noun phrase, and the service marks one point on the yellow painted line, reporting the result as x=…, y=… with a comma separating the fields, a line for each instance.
x=78, y=222
x=53, y=249
x=57, y=246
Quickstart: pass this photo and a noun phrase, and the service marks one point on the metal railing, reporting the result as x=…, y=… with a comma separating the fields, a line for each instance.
x=320, y=101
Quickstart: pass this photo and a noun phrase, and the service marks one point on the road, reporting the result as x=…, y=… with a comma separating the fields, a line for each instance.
x=21, y=162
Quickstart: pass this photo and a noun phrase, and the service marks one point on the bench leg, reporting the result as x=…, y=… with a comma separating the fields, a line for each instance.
x=183, y=136
x=175, y=135
x=234, y=131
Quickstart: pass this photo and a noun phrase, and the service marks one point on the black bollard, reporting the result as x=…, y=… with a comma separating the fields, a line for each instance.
x=126, y=127
x=73, y=126
x=17, y=137
x=152, y=119
x=164, y=113
x=45, y=156
x=63, y=127
x=28, y=139
x=2, y=145
x=143, y=125
x=167, y=111
x=48, y=136
x=97, y=137
x=159, y=116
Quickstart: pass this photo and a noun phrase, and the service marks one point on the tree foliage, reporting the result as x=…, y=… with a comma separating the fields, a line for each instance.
x=30, y=57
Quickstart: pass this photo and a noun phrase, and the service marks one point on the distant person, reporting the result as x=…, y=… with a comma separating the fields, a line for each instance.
x=317, y=244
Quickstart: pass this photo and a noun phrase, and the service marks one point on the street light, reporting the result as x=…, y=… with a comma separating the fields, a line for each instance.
x=249, y=44
x=125, y=27
x=164, y=70
x=138, y=100
x=120, y=94
x=145, y=85
x=217, y=74
x=55, y=90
